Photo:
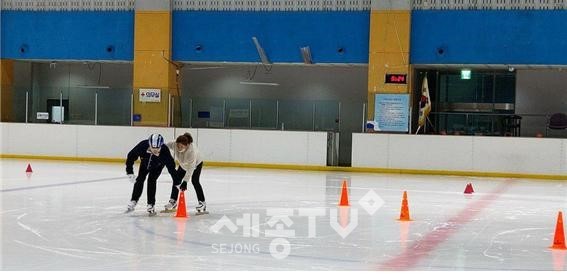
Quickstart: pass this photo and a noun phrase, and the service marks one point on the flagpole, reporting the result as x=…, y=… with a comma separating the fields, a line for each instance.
x=430, y=123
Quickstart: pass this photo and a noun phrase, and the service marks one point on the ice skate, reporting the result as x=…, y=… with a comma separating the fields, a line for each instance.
x=201, y=208
x=151, y=210
x=131, y=206
x=171, y=206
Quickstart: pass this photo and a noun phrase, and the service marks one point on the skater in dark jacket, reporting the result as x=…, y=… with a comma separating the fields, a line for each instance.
x=154, y=155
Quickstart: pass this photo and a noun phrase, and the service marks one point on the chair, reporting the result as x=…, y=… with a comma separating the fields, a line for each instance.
x=557, y=121
x=512, y=125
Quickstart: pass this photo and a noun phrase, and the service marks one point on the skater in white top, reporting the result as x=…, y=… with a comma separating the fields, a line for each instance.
x=190, y=165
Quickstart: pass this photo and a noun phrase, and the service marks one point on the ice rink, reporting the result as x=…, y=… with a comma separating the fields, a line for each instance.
x=70, y=216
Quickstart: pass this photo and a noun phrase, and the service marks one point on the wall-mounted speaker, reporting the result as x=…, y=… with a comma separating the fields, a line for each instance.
x=24, y=48
x=440, y=51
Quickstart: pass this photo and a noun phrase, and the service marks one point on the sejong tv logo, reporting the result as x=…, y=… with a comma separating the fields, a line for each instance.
x=343, y=221
x=152, y=95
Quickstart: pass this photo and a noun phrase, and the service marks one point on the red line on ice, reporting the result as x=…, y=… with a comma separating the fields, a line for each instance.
x=413, y=254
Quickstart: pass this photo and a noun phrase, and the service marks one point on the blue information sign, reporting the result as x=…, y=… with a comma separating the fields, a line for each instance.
x=391, y=112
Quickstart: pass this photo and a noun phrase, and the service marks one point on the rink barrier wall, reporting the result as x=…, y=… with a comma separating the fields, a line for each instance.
x=315, y=168
x=462, y=155
x=112, y=143
x=430, y=155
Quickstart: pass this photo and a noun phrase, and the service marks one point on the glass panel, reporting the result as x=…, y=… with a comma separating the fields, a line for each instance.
x=481, y=125
x=478, y=89
x=185, y=106
x=485, y=91
x=176, y=111
x=468, y=106
x=208, y=112
x=296, y=115
x=327, y=116
x=43, y=99
x=264, y=114
x=532, y=125
x=238, y=113
x=114, y=107
x=440, y=121
x=19, y=104
x=505, y=88
x=81, y=106
x=456, y=89
x=489, y=124
x=456, y=124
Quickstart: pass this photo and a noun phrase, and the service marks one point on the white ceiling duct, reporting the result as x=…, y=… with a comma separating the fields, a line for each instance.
x=261, y=52
x=306, y=55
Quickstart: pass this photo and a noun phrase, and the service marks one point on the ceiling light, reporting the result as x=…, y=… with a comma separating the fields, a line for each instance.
x=259, y=83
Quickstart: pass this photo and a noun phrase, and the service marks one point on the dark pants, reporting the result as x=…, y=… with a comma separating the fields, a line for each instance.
x=194, y=180
x=152, y=181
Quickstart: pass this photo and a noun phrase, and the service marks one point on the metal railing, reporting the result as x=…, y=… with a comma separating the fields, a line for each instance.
x=490, y=124
x=117, y=107
x=68, y=5
x=308, y=115
x=489, y=4
x=281, y=5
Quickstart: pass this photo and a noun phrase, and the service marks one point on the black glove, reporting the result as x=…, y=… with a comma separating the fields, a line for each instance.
x=183, y=186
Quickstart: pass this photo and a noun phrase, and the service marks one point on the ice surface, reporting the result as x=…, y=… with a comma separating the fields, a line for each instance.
x=69, y=216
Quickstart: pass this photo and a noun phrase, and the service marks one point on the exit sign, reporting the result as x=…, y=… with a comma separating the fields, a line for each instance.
x=396, y=79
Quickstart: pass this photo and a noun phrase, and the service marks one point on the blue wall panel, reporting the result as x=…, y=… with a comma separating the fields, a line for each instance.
x=227, y=36
x=489, y=37
x=68, y=35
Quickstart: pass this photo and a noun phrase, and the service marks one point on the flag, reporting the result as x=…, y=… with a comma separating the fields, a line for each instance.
x=424, y=102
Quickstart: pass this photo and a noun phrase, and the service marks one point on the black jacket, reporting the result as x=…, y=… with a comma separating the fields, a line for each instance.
x=150, y=161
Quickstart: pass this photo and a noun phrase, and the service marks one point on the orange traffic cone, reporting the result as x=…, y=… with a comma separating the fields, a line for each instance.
x=29, y=169
x=404, y=214
x=469, y=189
x=344, y=195
x=559, y=239
x=181, y=208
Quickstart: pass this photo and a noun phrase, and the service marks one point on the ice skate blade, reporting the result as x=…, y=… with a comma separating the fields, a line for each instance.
x=168, y=211
x=201, y=213
x=151, y=214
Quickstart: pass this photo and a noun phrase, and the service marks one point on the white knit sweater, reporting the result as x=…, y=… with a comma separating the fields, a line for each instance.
x=188, y=159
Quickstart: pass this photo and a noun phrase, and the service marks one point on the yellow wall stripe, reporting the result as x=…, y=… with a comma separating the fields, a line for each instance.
x=388, y=52
x=315, y=168
x=6, y=84
x=152, y=50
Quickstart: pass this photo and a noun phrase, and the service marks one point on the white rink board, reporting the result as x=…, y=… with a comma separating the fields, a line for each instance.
x=4, y=137
x=370, y=150
x=447, y=152
x=460, y=153
x=114, y=141
x=42, y=140
x=214, y=144
x=518, y=155
x=249, y=146
x=217, y=145
x=317, y=148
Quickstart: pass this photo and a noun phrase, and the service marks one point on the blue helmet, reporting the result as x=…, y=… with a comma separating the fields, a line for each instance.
x=155, y=140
